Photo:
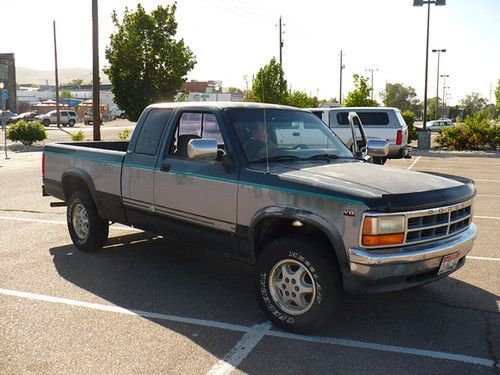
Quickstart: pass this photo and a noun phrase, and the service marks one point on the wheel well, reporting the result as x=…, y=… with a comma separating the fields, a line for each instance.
x=271, y=228
x=71, y=184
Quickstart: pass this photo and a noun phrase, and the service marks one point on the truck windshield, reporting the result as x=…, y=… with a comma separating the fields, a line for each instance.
x=289, y=134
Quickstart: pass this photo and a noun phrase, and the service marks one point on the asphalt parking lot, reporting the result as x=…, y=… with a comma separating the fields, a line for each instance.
x=147, y=304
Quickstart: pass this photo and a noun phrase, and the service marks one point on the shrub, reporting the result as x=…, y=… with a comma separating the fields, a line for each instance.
x=475, y=133
x=124, y=135
x=77, y=137
x=27, y=132
x=409, y=118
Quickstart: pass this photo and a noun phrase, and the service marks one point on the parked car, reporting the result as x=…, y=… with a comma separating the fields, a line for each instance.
x=118, y=113
x=379, y=123
x=314, y=217
x=7, y=115
x=25, y=116
x=66, y=118
x=88, y=117
x=438, y=125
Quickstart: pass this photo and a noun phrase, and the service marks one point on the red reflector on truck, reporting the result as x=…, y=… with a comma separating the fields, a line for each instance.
x=399, y=137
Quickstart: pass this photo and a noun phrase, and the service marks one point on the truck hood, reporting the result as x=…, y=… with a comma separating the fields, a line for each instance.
x=384, y=187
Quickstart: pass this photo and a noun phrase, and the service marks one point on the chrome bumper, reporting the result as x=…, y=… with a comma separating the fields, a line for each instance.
x=409, y=260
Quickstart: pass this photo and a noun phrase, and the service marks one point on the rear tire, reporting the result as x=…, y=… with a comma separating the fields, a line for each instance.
x=71, y=123
x=122, y=116
x=88, y=231
x=298, y=283
x=46, y=123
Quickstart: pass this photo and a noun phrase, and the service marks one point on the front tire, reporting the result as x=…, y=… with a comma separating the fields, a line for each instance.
x=71, y=123
x=380, y=161
x=46, y=123
x=88, y=231
x=297, y=283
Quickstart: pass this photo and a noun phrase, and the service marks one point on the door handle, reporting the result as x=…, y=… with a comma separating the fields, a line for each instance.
x=295, y=134
x=165, y=167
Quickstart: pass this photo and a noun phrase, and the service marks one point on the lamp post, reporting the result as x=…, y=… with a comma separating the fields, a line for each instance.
x=371, y=70
x=444, y=76
x=424, y=138
x=3, y=121
x=437, y=83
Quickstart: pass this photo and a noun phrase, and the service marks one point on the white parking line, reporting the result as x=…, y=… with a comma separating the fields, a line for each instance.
x=414, y=162
x=487, y=217
x=483, y=258
x=488, y=195
x=241, y=350
x=255, y=332
x=61, y=222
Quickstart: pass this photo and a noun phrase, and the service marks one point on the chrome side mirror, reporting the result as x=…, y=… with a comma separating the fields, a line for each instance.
x=202, y=149
x=377, y=147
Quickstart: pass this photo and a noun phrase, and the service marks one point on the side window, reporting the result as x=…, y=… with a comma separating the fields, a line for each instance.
x=342, y=118
x=194, y=125
x=151, y=131
x=64, y=113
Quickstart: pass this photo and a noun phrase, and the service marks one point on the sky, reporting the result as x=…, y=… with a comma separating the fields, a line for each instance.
x=235, y=38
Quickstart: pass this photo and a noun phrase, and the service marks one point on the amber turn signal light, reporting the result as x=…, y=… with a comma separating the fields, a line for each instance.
x=383, y=239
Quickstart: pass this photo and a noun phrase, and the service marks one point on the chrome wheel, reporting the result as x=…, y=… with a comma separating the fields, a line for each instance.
x=292, y=287
x=80, y=221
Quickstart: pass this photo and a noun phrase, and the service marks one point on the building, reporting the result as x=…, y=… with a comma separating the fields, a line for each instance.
x=209, y=91
x=8, y=77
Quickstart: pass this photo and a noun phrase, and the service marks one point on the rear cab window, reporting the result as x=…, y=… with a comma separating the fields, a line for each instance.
x=150, y=135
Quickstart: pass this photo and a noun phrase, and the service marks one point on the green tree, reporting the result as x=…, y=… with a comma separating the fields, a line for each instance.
x=409, y=118
x=360, y=96
x=269, y=85
x=472, y=103
x=434, y=109
x=145, y=63
x=65, y=94
x=300, y=99
x=75, y=82
x=402, y=97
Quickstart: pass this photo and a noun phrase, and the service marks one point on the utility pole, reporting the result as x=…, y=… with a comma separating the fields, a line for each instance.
x=341, y=68
x=372, y=70
x=58, y=115
x=281, y=44
x=96, y=108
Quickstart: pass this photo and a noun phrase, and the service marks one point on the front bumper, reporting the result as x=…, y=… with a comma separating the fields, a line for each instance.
x=399, y=268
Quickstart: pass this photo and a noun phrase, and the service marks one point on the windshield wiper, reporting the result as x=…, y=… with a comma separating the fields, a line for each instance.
x=323, y=157
x=277, y=158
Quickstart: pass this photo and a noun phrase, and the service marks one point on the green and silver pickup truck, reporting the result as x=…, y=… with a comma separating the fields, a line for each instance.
x=274, y=186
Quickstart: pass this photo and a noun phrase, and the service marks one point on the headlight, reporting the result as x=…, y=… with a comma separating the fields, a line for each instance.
x=383, y=230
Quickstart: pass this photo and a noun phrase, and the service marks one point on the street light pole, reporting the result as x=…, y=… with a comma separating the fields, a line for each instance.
x=425, y=137
x=3, y=121
x=444, y=76
x=341, y=68
x=96, y=108
x=437, y=84
x=371, y=70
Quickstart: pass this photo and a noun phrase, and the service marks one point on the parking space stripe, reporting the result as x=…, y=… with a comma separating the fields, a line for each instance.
x=241, y=350
x=255, y=334
x=385, y=348
x=483, y=258
x=121, y=310
x=487, y=217
x=414, y=162
x=60, y=222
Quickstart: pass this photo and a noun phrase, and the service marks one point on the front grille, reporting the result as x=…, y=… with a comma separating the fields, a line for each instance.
x=432, y=224
x=437, y=223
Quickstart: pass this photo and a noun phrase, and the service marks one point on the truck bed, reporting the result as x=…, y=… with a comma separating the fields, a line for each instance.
x=112, y=145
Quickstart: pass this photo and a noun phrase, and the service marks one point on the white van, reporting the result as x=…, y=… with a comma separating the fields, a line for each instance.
x=379, y=123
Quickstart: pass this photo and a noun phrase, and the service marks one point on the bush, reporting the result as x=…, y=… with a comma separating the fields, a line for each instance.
x=77, y=137
x=475, y=133
x=409, y=118
x=124, y=135
x=27, y=132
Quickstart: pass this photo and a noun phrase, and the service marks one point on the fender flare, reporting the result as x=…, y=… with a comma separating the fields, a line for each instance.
x=86, y=178
x=320, y=222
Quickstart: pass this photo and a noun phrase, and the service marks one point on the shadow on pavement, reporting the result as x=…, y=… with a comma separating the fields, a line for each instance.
x=144, y=272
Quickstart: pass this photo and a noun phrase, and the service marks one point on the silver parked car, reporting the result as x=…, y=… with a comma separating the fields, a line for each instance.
x=68, y=117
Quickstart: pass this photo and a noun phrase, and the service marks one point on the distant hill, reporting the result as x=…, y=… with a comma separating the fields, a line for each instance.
x=27, y=75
